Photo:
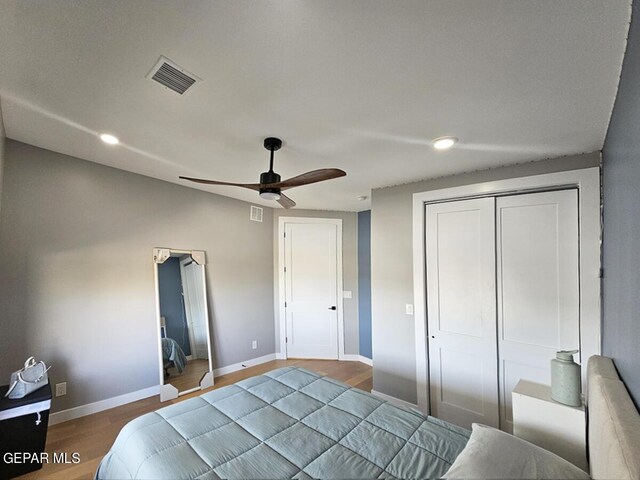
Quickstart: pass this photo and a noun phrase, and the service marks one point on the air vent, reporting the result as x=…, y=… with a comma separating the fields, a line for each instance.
x=256, y=214
x=172, y=76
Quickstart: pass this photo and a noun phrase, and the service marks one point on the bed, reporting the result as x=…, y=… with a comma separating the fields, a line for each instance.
x=287, y=423
x=614, y=424
x=295, y=423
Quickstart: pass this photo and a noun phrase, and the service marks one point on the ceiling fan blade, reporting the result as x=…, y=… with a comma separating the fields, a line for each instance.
x=310, y=177
x=285, y=201
x=251, y=186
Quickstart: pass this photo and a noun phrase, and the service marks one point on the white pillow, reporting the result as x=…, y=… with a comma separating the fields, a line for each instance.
x=491, y=453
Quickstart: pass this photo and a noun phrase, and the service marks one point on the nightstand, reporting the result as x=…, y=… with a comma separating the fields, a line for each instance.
x=23, y=429
x=556, y=427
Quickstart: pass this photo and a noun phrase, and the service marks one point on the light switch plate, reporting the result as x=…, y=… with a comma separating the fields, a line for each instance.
x=408, y=308
x=347, y=294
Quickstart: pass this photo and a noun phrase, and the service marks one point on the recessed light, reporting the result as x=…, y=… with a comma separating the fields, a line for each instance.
x=444, y=143
x=110, y=139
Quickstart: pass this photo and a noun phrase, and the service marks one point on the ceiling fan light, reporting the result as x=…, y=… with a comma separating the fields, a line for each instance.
x=270, y=195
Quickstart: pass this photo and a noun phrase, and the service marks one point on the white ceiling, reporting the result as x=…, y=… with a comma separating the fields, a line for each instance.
x=358, y=85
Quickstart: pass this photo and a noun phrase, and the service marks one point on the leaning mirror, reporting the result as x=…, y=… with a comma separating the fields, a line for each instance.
x=184, y=338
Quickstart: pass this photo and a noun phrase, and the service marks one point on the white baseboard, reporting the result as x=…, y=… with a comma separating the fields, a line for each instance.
x=352, y=357
x=395, y=400
x=106, y=404
x=365, y=360
x=242, y=365
x=347, y=357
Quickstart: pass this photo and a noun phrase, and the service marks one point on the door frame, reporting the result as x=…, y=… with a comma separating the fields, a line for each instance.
x=281, y=318
x=587, y=181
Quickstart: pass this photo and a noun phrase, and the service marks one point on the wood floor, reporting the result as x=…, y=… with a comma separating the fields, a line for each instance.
x=190, y=377
x=93, y=435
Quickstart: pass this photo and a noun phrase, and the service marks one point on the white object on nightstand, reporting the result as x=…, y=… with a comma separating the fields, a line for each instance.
x=556, y=427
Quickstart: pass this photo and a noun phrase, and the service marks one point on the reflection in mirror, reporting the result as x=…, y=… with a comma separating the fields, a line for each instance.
x=184, y=339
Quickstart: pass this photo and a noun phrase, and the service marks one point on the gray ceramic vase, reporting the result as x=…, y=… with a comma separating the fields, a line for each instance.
x=566, y=379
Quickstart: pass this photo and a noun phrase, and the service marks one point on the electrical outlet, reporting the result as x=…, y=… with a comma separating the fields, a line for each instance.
x=61, y=389
x=408, y=309
x=254, y=344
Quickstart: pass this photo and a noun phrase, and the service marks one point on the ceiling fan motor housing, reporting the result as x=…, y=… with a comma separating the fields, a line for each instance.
x=267, y=178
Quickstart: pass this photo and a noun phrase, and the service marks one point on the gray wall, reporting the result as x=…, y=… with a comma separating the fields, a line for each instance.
x=76, y=271
x=621, y=239
x=349, y=269
x=2, y=148
x=392, y=267
x=364, y=282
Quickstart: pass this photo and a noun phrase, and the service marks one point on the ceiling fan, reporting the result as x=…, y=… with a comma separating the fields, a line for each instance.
x=270, y=186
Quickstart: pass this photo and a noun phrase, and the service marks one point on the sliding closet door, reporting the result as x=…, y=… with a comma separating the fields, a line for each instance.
x=538, y=295
x=461, y=305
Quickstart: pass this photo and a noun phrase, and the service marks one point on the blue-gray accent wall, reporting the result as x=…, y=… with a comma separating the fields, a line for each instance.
x=171, y=304
x=364, y=282
x=621, y=237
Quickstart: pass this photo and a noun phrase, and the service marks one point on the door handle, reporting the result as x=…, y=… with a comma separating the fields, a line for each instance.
x=333, y=307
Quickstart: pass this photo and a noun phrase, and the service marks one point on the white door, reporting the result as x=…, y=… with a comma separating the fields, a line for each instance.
x=311, y=290
x=194, y=302
x=538, y=293
x=461, y=306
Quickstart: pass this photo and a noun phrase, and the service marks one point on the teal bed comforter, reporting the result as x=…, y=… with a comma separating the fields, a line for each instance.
x=288, y=423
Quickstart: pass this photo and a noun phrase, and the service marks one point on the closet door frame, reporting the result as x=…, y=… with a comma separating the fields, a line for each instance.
x=587, y=181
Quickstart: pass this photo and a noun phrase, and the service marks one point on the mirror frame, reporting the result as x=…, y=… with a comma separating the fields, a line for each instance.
x=160, y=255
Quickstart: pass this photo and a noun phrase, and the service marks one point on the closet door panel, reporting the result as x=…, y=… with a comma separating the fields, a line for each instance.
x=538, y=286
x=459, y=270
x=461, y=306
x=461, y=374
